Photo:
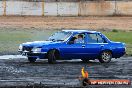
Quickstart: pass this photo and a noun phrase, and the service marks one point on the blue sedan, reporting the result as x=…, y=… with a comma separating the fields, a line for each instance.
x=74, y=44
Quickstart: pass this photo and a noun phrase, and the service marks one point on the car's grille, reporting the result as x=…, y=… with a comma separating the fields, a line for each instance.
x=27, y=48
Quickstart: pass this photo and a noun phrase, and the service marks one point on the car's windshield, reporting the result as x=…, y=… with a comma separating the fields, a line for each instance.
x=59, y=36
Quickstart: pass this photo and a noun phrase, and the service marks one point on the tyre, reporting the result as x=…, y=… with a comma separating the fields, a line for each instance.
x=52, y=57
x=105, y=57
x=31, y=59
x=85, y=60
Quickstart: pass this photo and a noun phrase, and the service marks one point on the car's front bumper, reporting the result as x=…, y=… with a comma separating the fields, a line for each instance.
x=37, y=55
x=40, y=55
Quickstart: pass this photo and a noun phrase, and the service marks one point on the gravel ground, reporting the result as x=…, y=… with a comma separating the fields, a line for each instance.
x=103, y=23
x=16, y=71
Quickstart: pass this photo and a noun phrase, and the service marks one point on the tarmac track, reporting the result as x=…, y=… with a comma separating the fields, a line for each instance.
x=16, y=71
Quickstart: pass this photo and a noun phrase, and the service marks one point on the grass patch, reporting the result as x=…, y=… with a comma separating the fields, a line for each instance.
x=11, y=38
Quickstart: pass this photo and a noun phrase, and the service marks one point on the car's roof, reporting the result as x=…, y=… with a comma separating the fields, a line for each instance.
x=80, y=31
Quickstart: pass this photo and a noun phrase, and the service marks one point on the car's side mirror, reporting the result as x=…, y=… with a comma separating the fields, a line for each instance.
x=71, y=42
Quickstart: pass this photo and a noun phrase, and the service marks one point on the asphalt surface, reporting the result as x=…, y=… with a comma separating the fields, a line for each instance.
x=16, y=71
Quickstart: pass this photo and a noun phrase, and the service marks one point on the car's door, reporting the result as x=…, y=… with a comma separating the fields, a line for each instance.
x=94, y=45
x=75, y=50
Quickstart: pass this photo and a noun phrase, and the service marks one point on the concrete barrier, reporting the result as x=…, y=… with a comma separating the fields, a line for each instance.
x=23, y=8
x=124, y=8
x=96, y=8
x=101, y=8
x=1, y=8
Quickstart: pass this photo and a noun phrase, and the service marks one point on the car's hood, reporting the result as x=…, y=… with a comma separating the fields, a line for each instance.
x=38, y=43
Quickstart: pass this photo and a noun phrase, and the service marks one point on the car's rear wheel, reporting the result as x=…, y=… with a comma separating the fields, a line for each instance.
x=52, y=57
x=105, y=57
x=32, y=59
x=85, y=60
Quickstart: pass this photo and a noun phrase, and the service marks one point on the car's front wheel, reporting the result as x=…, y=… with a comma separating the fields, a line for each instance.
x=52, y=57
x=32, y=59
x=105, y=57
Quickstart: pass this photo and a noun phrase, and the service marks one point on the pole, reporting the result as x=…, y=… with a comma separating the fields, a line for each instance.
x=79, y=7
x=115, y=7
x=42, y=7
x=4, y=14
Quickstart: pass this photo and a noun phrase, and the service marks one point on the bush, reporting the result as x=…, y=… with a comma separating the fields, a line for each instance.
x=114, y=30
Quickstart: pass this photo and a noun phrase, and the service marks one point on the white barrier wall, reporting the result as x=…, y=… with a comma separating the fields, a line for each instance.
x=66, y=8
x=23, y=8
x=124, y=8
x=61, y=9
x=1, y=8
x=50, y=9
x=96, y=8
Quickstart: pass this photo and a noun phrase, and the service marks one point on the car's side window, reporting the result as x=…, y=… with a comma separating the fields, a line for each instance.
x=99, y=39
x=78, y=39
x=94, y=38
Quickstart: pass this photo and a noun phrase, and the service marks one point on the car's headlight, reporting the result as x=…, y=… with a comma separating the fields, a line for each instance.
x=20, y=47
x=36, y=50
